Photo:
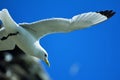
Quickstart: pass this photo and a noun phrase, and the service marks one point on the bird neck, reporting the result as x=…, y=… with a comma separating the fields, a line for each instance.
x=7, y=20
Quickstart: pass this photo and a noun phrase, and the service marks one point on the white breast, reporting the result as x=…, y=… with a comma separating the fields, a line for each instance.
x=25, y=40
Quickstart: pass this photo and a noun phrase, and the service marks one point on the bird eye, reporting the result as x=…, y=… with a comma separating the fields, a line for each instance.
x=45, y=55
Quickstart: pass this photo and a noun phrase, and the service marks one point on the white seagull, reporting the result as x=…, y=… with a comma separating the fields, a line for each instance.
x=27, y=35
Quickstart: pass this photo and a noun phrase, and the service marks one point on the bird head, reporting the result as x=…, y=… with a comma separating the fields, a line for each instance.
x=41, y=53
x=45, y=59
x=42, y=56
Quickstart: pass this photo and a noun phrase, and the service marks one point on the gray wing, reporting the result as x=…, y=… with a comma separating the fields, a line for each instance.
x=43, y=27
x=6, y=44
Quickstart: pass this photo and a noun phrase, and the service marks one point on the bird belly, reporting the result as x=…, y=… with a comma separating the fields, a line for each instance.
x=24, y=40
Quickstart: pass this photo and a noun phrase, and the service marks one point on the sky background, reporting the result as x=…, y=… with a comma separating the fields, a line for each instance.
x=88, y=54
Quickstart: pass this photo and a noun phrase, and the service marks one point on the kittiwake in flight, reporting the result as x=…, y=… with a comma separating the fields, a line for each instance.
x=27, y=35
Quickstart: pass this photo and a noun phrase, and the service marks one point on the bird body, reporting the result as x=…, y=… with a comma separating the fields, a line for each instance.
x=24, y=38
x=26, y=35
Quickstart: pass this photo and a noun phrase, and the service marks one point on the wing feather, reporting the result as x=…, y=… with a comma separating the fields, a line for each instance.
x=7, y=44
x=47, y=26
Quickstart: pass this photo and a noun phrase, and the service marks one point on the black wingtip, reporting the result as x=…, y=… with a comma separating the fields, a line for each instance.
x=107, y=13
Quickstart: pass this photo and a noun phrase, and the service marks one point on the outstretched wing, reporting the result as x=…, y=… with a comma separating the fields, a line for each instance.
x=6, y=44
x=43, y=27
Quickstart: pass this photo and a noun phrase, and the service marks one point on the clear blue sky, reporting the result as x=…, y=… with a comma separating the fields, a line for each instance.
x=88, y=54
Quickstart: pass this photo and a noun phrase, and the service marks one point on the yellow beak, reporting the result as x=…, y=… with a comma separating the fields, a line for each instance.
x=47, y=62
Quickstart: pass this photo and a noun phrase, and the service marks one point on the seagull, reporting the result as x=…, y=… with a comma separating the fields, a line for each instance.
x=27, y=35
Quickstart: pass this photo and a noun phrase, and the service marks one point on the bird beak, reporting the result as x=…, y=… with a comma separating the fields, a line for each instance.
x=47, y=62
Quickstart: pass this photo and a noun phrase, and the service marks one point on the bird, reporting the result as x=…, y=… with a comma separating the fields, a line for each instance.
x=27, y=35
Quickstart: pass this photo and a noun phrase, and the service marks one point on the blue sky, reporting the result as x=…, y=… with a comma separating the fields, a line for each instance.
x=88, y=54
